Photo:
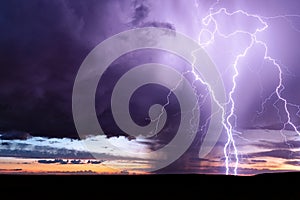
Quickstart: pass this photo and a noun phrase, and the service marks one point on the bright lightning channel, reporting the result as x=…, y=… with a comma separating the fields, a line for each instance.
x=227, y=118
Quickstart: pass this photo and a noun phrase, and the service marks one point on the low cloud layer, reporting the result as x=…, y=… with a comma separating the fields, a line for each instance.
x=254, y=155
x=41, y=147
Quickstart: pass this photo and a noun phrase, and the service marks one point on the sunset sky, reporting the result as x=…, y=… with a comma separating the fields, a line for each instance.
x=261, y=151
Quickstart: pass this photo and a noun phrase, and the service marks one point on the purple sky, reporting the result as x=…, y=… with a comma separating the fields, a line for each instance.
x=43, y=44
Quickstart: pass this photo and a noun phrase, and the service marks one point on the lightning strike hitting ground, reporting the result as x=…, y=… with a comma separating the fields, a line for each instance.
x=229, y=119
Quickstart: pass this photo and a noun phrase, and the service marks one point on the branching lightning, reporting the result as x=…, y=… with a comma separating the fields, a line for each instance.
x=229, y=117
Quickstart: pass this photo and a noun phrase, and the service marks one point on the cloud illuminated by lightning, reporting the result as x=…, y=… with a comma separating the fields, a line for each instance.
x=229, y=118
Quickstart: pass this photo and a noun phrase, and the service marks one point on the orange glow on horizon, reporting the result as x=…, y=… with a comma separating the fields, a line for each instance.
x=32, y=166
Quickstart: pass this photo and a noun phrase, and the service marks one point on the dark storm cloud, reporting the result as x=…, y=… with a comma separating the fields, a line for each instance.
x=74, y=161
x=276, y=153
x=141, y=12
x=290, y=144
x=60, y=161
x=258, y=161
x=42, y=44
x=14, y=135
x=295, y=163
x=43, y=152
x=159, y=24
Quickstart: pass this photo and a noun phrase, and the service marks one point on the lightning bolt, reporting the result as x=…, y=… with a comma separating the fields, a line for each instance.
x=229, y=118
x=158, y=118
